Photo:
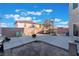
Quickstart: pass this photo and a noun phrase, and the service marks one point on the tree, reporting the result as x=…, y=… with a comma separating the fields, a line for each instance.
x=47, y=26
x=46, y=23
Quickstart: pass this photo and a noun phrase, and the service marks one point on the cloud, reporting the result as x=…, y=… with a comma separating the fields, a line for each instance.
x=23, y=14
x=6, y=24
x=48, y=10
x=17, y=10
x=57, y=20
x=34, y=13
x=17, y=17
x=36, y=21
x=38, y=13
x=24, y=18
x=65, y=26
x=64, y=22
x=8, y=16
x=3, y=25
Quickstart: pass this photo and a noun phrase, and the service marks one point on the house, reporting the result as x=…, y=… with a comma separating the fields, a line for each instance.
x=30, y=27
x=62, y=31
x=12, y=32
x=73, y=18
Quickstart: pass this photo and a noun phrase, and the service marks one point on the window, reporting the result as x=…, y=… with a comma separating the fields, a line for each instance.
x=32, y=26
x=75, y=5
x=75, y=30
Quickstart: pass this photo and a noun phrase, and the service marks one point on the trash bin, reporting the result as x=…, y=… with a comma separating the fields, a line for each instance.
x=7, y=39
x=34, y=35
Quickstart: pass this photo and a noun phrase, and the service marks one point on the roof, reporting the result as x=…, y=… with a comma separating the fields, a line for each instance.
x=19, y=21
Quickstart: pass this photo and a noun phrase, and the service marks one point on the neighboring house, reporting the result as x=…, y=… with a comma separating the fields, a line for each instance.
x=12, y=32
x=62, y=31
x=29, y=27
x=73, y=18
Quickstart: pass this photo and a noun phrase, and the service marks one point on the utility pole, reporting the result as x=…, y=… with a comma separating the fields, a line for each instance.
x=52, y=24
x=0, y=28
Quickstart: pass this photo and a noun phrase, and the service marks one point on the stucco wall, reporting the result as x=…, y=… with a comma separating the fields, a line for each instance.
x=73, y=17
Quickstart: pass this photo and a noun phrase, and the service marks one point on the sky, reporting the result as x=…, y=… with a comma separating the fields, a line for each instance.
x=36, y=12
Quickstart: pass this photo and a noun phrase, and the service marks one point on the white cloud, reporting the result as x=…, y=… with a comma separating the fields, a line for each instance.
x=38, y=13
x=57, y=20
x=7, y=16
x=34, y=13
x=28, y=18
x=65, y=26
x=3, y=25
x=24, y=18
x=64, y=22
x=17, y=17
x=48, y=10
x=17, y=10
x=60, y=23
x=24, y=13
x=36, y=21
x=6, y=24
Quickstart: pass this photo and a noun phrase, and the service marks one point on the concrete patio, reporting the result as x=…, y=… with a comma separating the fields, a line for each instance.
x=59, y=41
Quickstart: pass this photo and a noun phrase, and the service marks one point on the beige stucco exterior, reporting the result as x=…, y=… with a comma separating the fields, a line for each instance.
x=20, y=25
x=73, y=17
x=28, y=29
